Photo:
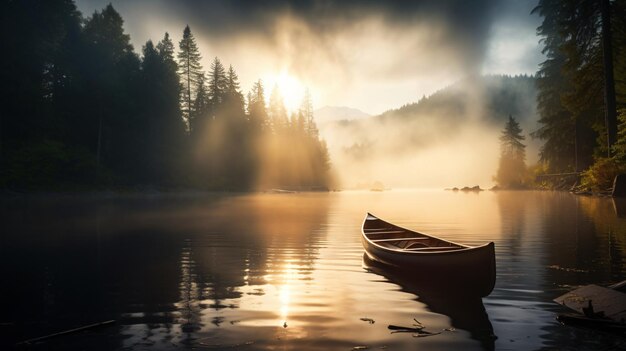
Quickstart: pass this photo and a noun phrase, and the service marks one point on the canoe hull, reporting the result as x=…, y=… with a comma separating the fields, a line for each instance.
x=470, y=268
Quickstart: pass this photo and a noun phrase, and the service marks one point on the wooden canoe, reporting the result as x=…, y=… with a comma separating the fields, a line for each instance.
x=439, y=260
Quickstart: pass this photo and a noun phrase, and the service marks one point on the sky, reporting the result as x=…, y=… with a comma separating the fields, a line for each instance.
x=370, y=55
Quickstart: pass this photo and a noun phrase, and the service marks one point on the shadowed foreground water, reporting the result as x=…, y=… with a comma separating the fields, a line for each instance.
x=286, y=271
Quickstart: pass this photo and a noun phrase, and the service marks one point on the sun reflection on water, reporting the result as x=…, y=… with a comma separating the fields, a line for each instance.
x=285, y=293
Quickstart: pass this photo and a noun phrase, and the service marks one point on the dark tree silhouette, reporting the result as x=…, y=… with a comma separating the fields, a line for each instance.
x=217, y=82
x=190, y=71
x=163, y=138
x=576, y=91
x=80, y=107
x=111, y=70
x=257, y=110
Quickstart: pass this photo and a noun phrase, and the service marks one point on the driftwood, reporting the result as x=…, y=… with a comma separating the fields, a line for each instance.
x=417, y=329
x=66, y=332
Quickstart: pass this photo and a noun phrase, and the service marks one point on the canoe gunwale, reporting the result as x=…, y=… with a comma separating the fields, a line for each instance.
x=470, y=268
x=462, y=248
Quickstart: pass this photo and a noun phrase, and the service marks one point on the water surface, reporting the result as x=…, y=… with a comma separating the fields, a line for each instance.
x=286, y=271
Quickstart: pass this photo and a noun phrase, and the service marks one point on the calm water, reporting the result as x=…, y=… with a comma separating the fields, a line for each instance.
x=286, y=271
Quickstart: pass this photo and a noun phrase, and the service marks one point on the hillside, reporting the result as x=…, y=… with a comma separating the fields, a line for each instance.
x=337, y=113
x=456, y=126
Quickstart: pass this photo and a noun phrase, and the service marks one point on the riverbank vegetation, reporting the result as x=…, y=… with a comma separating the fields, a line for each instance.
x=81, y=109
x=582, y=85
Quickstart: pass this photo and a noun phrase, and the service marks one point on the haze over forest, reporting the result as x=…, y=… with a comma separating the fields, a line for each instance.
x=221, y=95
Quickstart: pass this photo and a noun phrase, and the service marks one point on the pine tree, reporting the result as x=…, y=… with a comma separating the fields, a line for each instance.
x=277, y=112
x=190, y=71
x=232, y=90
x=571, y=82
x=166, y=50
x=217, y=83
x=258, y=116
x=512, y=168
x=110, y=87
x=201, y=112
x=306, y=110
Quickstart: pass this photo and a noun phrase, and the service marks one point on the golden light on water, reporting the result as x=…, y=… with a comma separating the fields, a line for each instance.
x=285, y=293
x=288, y=276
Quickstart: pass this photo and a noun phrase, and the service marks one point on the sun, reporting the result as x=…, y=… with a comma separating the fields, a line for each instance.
x=291, y=89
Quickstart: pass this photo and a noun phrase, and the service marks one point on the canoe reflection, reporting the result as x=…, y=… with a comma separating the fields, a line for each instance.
x=466, y=311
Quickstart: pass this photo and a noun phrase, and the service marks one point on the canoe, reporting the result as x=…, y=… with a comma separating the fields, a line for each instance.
x=439, y=260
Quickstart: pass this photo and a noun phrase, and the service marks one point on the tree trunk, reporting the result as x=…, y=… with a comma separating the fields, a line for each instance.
x=99, y=145
x=610, y=113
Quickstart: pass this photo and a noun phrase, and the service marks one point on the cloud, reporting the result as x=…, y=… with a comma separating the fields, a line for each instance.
x=346, y=51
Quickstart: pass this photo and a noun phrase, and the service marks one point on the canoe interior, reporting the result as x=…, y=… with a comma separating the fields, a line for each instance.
x=397, y=238
x=436, y=262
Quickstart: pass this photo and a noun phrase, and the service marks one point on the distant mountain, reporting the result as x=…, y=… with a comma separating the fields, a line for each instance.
x=450, y=138
x=488, y=98
x=338, y=113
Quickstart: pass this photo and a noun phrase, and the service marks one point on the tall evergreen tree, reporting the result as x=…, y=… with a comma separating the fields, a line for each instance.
x=277, y=112
x=161, y=148
x=166, y=48
x=190, y=71
x=257, y=110
x=37, y=79
x=111, y=69
x=201, y=111
x=574, y=82
x=512, y=167
x=306, y=111
x=238, y=146
x=232, y=91
x=217, y=82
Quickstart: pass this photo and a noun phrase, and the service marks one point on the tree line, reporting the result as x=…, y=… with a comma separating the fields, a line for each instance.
x=582, y=89
x=81, y=108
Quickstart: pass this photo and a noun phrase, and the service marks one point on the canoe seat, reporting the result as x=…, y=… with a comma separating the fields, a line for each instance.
x=387, y=232
x=435, y=248
x=383, y=228
x=399, y=239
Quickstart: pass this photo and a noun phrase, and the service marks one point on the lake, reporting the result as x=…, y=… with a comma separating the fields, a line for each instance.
x=286, y=271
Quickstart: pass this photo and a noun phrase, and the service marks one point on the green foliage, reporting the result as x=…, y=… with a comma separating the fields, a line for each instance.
x=620, y=147
x=600, y=176
x=571, y=86
x=48, y=164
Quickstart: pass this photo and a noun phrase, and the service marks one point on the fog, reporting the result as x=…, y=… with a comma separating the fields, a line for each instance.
x=370, y=55
x=375, y=56
x=450, y=139
x=469, y=158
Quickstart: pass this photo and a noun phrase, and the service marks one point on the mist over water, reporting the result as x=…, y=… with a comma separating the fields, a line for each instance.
x=449, y=139
x=267, y=271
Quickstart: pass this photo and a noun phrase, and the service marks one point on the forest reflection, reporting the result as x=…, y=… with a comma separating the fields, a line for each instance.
x=261, y=247
x=203, y=270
